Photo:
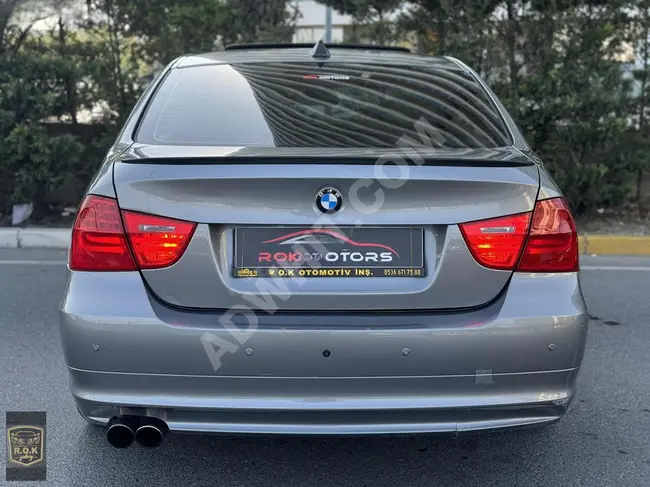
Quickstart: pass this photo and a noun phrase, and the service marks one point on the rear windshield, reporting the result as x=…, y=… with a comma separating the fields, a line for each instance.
x=336, y=105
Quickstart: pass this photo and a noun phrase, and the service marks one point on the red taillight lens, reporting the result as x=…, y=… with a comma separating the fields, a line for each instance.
x=497, y=243
x=552, y=245
x=98, y=239
x=99, y=242
x=156, y=241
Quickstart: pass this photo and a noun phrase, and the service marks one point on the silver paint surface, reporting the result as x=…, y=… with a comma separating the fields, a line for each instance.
x=132, y=341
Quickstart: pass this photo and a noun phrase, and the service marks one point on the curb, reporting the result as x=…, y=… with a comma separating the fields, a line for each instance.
x=615, y=245
x=35, y=238
x=59, y=238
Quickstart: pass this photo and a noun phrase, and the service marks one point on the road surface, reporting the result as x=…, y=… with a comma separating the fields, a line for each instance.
x=603, y=441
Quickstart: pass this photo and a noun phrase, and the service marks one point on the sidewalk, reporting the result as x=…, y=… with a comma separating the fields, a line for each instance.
x=35, y=238
x=59, y=238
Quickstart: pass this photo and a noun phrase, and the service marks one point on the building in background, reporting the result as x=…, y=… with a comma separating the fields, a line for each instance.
x=310, y=26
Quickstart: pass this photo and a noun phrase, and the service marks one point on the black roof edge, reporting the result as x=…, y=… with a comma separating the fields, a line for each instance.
x=374, y=47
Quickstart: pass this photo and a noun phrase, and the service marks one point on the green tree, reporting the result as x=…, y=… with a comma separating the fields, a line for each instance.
x=166, y=29
x=254, y=21
x=570, y=95
x=640, y=156
x=97, y=61
x=34, y=89
x=113, y=69
x=462, y=28
x=556, y=65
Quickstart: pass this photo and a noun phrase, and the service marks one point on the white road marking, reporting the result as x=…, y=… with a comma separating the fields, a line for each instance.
x=33, y=262
x=614, y=268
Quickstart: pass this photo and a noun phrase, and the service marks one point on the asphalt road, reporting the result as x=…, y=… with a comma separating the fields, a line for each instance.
x=603, y=441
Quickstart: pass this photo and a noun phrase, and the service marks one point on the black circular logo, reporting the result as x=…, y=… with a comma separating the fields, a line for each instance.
x=329, y=200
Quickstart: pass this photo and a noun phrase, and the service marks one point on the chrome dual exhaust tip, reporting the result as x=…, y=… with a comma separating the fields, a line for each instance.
x=121, y=431
x=151, y=433
x=147, y=432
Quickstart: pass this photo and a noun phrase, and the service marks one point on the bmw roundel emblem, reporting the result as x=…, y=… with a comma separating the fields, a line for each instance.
x=329, y=200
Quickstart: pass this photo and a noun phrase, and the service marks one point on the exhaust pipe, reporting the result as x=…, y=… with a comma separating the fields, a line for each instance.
x=121, y=431
x=151, y=432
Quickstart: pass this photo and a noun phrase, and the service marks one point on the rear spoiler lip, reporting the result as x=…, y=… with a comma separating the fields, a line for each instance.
x=202, y=155
x=427, y=161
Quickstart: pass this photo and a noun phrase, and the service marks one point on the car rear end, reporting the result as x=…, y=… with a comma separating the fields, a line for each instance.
x=357, y=244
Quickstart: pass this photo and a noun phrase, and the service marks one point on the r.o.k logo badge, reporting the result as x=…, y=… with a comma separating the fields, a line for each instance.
x=26, y=445
x=26, y=452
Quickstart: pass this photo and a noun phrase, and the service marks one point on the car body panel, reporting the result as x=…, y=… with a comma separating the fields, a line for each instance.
x=224, y=196
x=511, y=335
x=153, y=358
x=209, y=260
x=273, y=409
x=463, y=349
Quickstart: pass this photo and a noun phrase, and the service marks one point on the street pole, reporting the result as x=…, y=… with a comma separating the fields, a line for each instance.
x=327, y=37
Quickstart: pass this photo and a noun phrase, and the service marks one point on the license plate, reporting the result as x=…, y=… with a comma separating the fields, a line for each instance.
x=329, y=252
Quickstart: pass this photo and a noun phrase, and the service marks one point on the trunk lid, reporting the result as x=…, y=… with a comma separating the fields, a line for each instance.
x=228, y=188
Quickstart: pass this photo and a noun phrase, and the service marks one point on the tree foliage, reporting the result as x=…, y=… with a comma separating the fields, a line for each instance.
x=95, y=57
x=560, y=66
x=34, y=87
x=372, y=18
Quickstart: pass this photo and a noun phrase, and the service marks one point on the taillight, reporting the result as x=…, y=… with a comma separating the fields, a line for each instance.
x=100, y=242
x=156, y=241
x=98, y=239
x=551, y=245
x=497, y=243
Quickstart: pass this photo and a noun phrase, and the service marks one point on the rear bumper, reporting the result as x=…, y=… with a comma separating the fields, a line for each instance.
x=513, y=363
x=216, y=405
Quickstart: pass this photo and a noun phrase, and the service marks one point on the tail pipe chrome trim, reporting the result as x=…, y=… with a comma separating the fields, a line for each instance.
x=121, y=431
x=151, y=432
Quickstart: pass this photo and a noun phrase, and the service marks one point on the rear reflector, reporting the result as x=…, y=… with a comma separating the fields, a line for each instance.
x=497, y=243
x=551, y=245
x=156, y=241
x=98, y=239
x=99, y=242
